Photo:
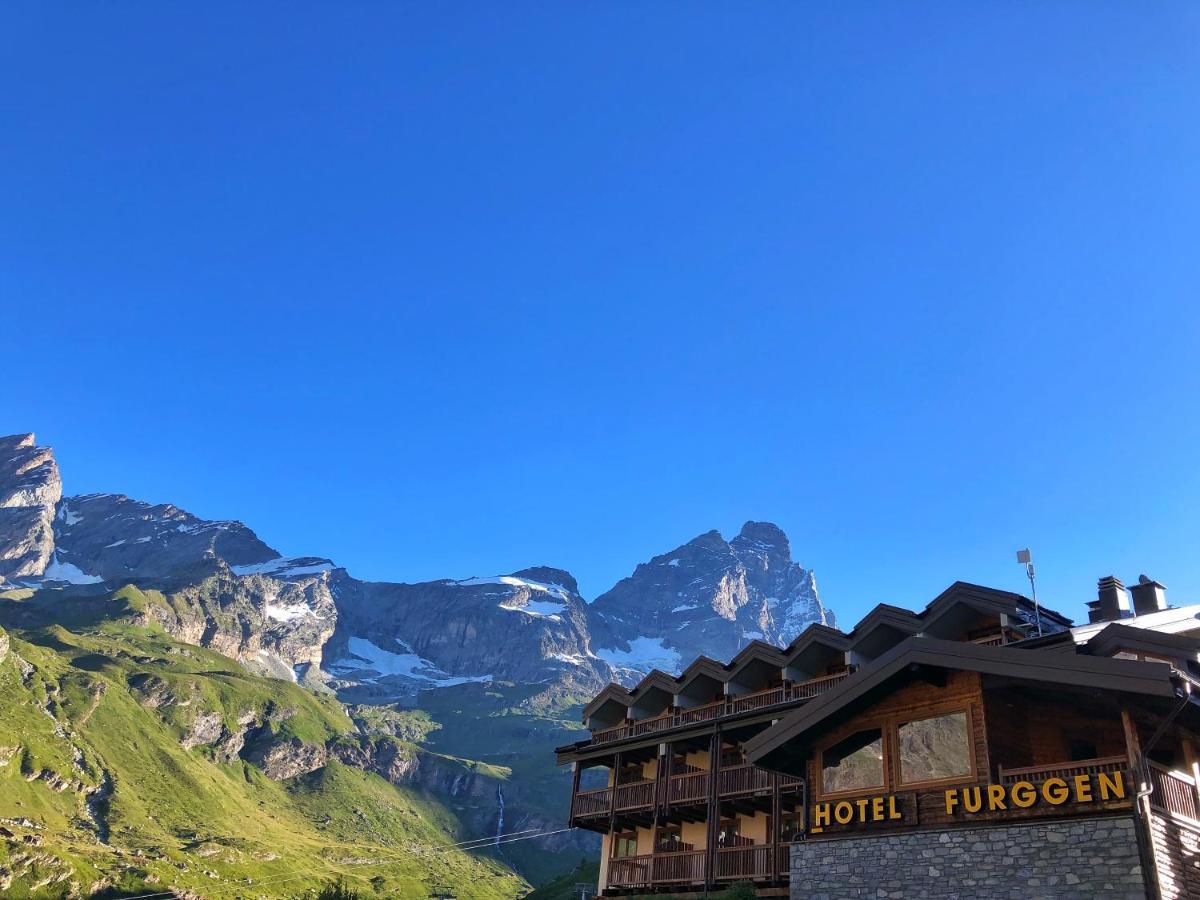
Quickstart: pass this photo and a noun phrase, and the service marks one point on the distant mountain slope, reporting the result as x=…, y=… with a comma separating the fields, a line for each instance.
x=500, y=663
x=129, y=761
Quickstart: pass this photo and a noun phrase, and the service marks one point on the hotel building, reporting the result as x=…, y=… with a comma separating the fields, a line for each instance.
x=956, y=752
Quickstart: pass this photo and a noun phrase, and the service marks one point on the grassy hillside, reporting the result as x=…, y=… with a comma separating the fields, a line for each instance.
x=512, y=725
x=99, y=791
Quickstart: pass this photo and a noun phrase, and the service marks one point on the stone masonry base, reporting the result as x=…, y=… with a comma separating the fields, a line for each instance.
x=1073, y=860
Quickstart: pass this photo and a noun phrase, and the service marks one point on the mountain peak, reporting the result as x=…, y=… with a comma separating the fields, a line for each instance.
x=12, y=442
x=549, y=575
x=767, y=535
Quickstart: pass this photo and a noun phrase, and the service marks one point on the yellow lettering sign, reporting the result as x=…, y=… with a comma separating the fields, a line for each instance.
x=1022, y=794
x=1054, y=791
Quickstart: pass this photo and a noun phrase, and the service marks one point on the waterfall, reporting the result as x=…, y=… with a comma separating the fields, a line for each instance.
x=499, y=814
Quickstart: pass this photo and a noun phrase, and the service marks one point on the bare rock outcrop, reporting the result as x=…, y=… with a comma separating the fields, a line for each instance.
x=30, y=488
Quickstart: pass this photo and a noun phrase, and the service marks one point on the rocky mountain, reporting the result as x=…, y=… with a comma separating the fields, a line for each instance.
x=527, y=626
x=709, y=596
x=306, y=618
x=498, y=664
x=30, y=489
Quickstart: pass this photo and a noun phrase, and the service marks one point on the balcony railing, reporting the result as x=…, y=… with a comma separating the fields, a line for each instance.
x=681, y=867
x=1173, y=792
x=687, y=788
x=1064, y=770
x=726, y=706
x=634, y=796
x=744, y=779
x=744, y=862
x=590, y=804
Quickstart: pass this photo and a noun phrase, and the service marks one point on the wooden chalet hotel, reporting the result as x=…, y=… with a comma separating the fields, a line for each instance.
x=952, y=753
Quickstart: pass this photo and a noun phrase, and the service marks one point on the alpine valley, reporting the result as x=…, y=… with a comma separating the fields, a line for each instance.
x=184, y=710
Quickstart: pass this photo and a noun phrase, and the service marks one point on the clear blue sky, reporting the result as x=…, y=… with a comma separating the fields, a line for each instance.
x=452, y=289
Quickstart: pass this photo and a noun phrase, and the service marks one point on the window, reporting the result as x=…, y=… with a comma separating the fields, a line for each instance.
x=791, y=826
x=730, y=835
x=935, y=748
x=854, y=763
x=670, y=839
x=624, y=845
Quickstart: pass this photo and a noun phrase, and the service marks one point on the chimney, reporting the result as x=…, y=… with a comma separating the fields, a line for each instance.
x=1148, y=596
x=1111, y=603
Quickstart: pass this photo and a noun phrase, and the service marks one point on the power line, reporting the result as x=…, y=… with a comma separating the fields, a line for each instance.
x=513, y=838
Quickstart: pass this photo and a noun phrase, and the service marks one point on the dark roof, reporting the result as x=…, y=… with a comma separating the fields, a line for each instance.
x=884, y=615
x=1130, y=676
x=1116, y=637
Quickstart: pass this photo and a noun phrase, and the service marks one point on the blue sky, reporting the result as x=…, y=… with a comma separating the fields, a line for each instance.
x=452, y=289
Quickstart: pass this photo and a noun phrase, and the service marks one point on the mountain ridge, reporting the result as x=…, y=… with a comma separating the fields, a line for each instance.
x=501, y=663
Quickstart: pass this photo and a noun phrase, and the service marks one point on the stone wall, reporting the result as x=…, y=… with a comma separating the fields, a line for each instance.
x=1061, y=860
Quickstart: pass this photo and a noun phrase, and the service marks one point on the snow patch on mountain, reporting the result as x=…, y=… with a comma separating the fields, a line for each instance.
x=69, y=572
x=554, y=590
x=286, y=567
x=644, y=654
x=368, y=662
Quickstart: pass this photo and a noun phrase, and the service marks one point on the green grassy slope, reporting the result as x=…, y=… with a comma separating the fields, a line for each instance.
x=509, y=724
x=97, y=791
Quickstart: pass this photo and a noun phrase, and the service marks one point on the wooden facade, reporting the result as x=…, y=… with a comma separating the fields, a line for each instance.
x=954, y=717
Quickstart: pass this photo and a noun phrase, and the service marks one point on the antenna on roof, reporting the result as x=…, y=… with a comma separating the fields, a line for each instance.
x=1024, y=556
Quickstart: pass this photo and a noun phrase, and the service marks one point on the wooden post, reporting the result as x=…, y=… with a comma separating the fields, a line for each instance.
x=612, y=792
x=1193, y=767
x=575, y=772
x=1141, y=808
x=714, y=808
x=773, y=836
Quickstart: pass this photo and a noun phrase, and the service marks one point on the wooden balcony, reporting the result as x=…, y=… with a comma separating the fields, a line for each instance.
x=743, y=779
x=678, y=868
x=1066, y=770
x=592, y=804
x=688, y=788
x=1174, y=792
x=726, y=706
x=638, y=795
x=735, y=863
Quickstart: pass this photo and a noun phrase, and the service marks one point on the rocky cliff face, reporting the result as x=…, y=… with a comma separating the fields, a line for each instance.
x=531, y=625
x=109, y=537
x=709, y=596
x=379, y=641
x=30, y=488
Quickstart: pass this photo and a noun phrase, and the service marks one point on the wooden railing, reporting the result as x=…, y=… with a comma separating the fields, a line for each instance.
x=1174, y=792
x=726, y=706
x=743, y=779
x=806, y=690
x=1064, y=770
x=592, y=803
x=681, y=867
x=790, y=782
x=633, y=796
x=629, y=871
x=759, y=699
x=783, y=859
x=744, y=862
x=684, y=788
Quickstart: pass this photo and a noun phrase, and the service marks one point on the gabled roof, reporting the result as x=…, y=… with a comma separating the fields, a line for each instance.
x=1116, y=637
x=1071, y=670
x=655, y=679
x=613, y=692
x=986, y=598
x=884, y=615
x=752, y=652
x=816, y=633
